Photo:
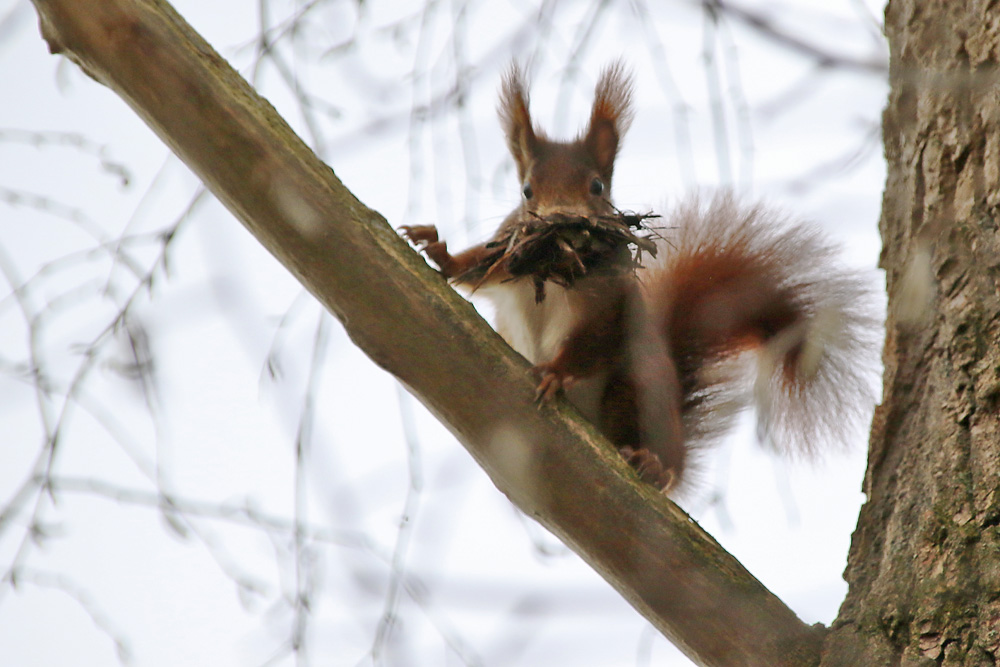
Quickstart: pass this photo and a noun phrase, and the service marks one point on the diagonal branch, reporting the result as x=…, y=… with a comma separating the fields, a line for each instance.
x=549, y=462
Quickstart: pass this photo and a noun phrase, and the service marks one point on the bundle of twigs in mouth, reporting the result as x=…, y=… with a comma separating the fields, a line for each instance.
x=564, y=248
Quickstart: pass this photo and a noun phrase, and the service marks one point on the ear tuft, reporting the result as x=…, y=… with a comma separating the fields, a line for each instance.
x=515, y=118
x=610, y=117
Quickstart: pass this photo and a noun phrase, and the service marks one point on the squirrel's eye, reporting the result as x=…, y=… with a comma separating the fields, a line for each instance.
x=527, y=191
x=596, y=187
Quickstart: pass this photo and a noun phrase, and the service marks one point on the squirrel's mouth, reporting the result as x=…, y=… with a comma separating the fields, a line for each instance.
x=564, y=247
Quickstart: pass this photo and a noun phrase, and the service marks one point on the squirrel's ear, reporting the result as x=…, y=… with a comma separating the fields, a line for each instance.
x=610, y=118
x=515, y=119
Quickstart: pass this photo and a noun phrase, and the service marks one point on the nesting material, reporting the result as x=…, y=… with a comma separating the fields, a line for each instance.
x=564, y=248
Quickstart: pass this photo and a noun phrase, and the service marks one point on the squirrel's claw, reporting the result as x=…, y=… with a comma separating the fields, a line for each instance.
x=550, y=383
x=419, y=235
x=648, y=466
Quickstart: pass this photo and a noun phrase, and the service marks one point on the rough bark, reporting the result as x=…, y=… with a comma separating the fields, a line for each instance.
x=549, y=462
x=924, y=566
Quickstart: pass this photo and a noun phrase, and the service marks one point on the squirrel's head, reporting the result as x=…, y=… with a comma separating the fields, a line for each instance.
x=567, y=177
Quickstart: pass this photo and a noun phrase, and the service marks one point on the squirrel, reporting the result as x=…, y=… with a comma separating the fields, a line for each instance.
x=651, y=354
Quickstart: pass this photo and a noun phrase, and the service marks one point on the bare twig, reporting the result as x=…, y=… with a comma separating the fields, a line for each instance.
x=874, y=65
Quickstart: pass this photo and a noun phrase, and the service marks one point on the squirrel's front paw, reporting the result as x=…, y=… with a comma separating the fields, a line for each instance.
x=550, y=382
x=419, y=235
x=425, y=237
x=648, y=466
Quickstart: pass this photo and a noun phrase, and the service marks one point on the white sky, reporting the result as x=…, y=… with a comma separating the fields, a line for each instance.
x=493, y=586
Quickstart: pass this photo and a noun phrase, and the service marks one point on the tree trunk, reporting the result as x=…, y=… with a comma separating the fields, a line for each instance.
x=924, y=566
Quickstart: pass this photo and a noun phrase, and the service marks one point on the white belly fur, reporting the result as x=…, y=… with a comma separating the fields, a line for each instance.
x=537, y=330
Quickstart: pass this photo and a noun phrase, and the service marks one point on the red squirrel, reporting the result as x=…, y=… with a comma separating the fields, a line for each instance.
x=650, y=355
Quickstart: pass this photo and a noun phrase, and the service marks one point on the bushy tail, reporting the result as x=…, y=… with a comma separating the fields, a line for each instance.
x=735, y=279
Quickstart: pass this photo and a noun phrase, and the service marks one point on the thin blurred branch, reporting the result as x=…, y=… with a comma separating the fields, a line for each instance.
x=759, y=21
x=303, y=552
x=407, y=521
x=713, y=80
x=66, y=586
x=680, y=109
x=241, y=514
x=72, y=140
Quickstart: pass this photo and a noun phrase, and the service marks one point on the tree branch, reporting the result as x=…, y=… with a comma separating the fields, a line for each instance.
x=549, y=462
